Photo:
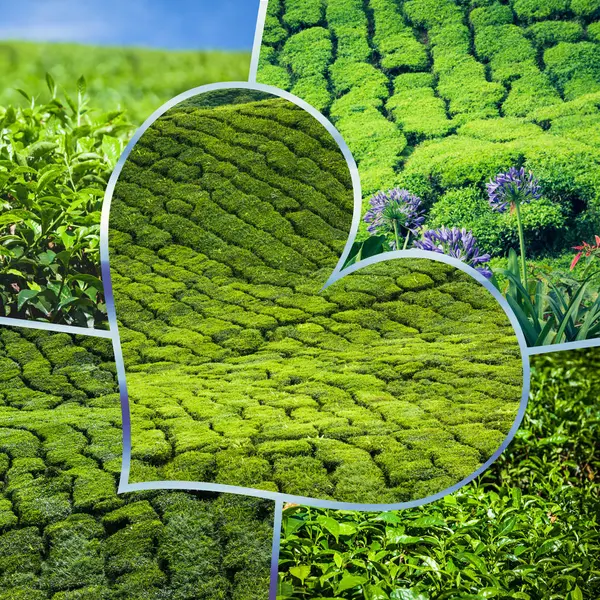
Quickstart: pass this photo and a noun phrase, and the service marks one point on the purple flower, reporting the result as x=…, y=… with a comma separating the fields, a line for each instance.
x=516, y=185
x=396, y=211
x=458, y=243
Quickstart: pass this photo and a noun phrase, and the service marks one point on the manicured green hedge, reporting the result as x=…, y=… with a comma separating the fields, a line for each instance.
x=65, y=533
x=574, y=67
x=532, y=512
x=538, y=10
x=303, y=13
x=394, y=40
x=271, y=372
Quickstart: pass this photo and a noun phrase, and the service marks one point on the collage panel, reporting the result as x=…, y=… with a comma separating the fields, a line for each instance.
x=477, y=122
x=527, y=528
x=65, y=531
x=394, y=383
x=58, y=147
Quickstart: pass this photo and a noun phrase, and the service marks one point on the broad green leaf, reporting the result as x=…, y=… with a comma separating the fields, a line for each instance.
x=374, y=592
x=25, y=296
x=331, y=525
x=301, y=572
x=350, y=581
x=426, y=522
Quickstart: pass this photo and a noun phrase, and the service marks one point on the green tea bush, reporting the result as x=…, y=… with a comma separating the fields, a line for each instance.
x=302, y=13
x=308, y=53
x=534, y=511
x=483, y=60
x=550, y=33
x=57, y=158
x=538, y=10
x=65, y=533
x=270, y=375
x=587, y=9
x=350, y=27
x=569, y=63
x=394, y=40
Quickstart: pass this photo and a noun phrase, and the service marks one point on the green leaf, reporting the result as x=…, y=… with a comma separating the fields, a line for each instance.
x=111, y=147
x=301, y=572
x=26, y=296
x=426, y=522
x=39, y=149
x=374, y=592
x=12, y=217
x=331, y=525
x=81, y=86
x=51, y=84
x=350, y=581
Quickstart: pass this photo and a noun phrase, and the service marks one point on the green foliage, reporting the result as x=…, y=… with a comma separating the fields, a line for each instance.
x=271, y=373
x=127, y=78
x=300, y=13
x=550, y=33
x=394, y=40
x=499, y=72
x=308, y=53
x=537, y=10
x=534, y=511
x=64, y=531
x=56, y=160
x=587, y=9
x=569, y=64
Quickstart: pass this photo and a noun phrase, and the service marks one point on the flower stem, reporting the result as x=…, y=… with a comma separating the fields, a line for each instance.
x=396, y=235
x=406, y=240
x=521, y=243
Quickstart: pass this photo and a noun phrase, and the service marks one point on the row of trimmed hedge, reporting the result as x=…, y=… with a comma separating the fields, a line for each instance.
x=65, y=533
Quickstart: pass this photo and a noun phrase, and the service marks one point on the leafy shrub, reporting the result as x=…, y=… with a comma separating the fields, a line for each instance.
x=494, y=14
x=300, y=13
x=274, y=32
x=550, y=33
x=588, y=9
x=308, y=52
x=395, y=40
x=86, y=542
x=593, y=31
x=569, y=63
x=537, y=10
x=57, y=159
x=417, y=109
x=350, y=26
x=550, y=513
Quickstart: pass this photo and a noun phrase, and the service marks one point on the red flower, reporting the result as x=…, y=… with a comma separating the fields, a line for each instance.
x=586, y=249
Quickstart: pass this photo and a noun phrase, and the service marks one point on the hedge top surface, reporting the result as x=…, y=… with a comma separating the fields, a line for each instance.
x=429, y=68
x=393, y=384
x=64, y=530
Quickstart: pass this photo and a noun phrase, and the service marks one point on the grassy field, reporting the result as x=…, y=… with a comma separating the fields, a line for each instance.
x=137, y=80
x=439, y=96
x=528, y=529
x=64, y=532
x=394, y=383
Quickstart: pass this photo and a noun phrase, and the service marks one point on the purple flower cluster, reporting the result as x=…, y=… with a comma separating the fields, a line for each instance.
x=458, y=243
x=516, y=185
x=396, y=211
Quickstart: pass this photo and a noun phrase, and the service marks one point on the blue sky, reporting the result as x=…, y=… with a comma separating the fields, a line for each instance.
x=174, y=24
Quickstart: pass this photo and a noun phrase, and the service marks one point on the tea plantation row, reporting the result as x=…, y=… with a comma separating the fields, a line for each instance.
x=528, y=529
x=64, y=532
x=438, y=96
x=394, y=383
